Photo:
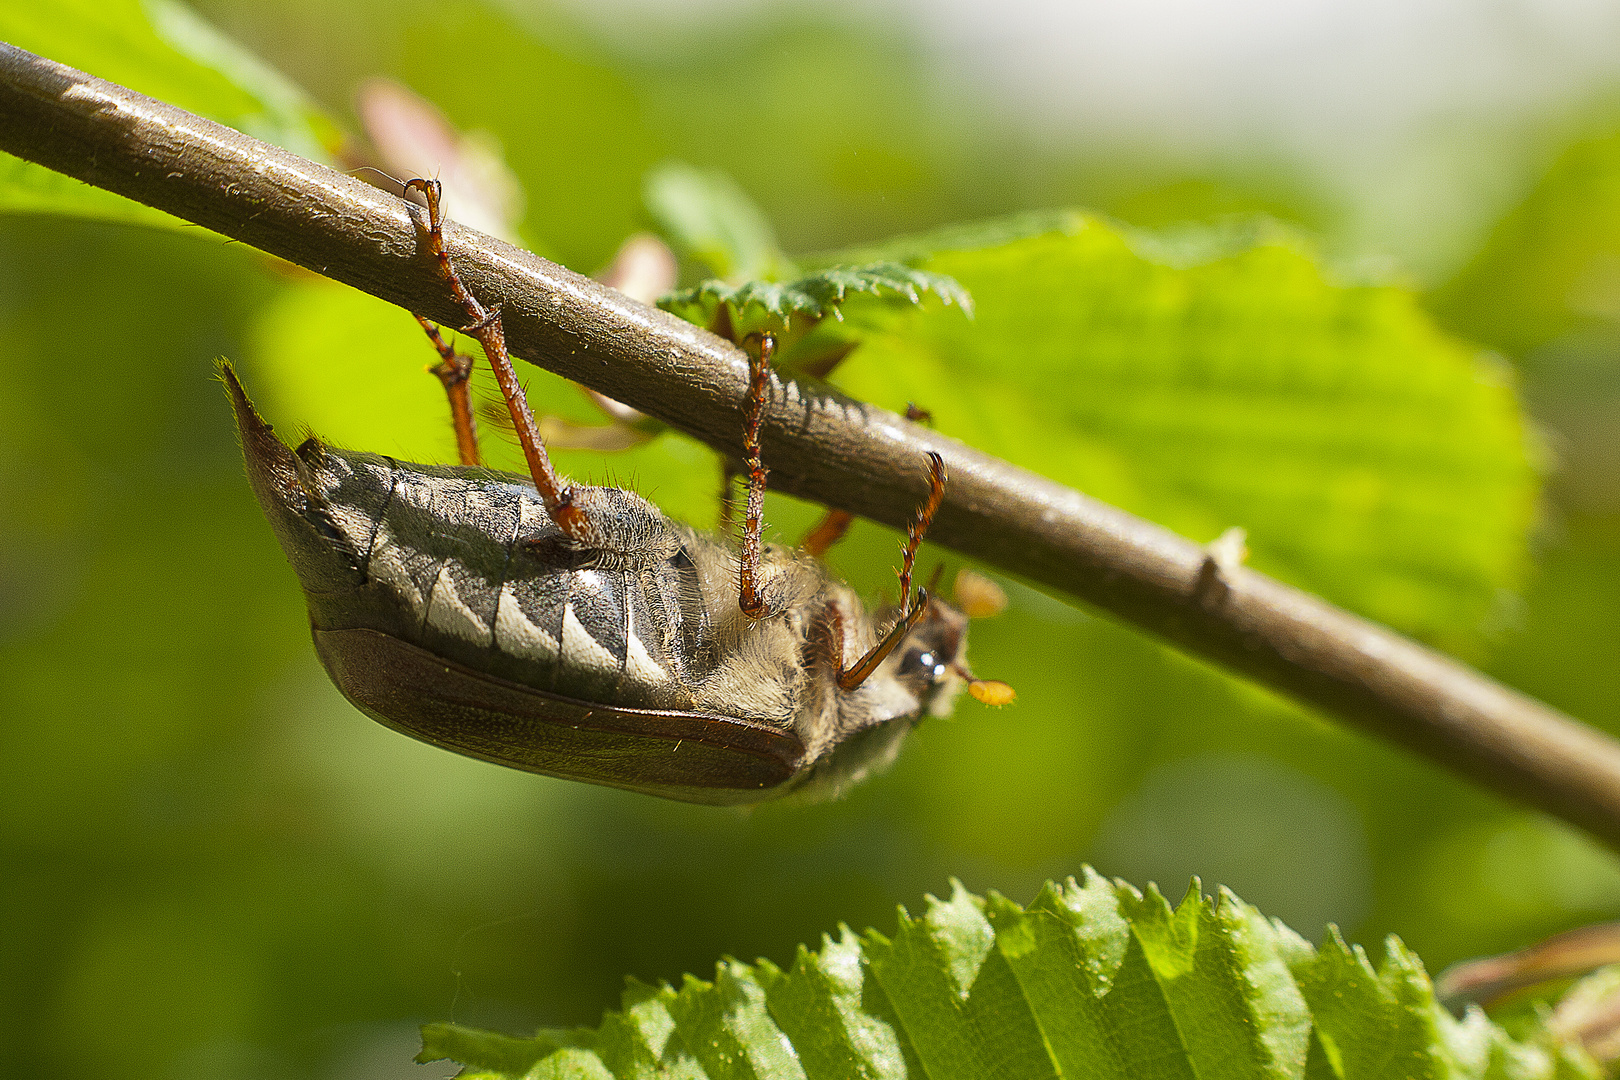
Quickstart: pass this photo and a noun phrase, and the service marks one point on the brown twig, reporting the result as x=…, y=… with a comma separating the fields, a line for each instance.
x=822, y=446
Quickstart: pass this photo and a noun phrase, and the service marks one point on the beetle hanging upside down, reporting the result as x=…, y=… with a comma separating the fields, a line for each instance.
x=576, y=631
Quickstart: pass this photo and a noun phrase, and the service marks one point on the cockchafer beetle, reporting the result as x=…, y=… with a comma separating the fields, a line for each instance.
x=575, y=631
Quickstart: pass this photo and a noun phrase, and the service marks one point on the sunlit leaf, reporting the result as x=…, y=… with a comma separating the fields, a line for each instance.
x=164, y=50
x=1210, y=381
x=1552, y=265
x=1090, y=980
x=706, y=216
x=776, y=304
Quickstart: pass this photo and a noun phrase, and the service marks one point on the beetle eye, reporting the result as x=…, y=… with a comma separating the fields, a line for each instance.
x=922, y=662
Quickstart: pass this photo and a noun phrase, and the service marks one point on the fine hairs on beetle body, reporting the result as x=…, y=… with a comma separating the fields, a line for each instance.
x=575, y=631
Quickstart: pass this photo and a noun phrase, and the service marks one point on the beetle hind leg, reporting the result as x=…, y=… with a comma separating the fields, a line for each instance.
x=454, y=372
x=486, y=327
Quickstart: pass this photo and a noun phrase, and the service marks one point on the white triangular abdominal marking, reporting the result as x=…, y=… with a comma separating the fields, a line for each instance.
x=579, y=648
x=449, y=613
x=516, y=635
x=388, y=566
x=638, y=663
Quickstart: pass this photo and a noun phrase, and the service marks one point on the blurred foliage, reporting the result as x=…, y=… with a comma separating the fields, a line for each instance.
x=775, y=305
x=162, y=49
x=707, y=217
x=1214, y=378
x=1546, y=288
x=215, y=867
x=1549, y=268
x=1095, y=980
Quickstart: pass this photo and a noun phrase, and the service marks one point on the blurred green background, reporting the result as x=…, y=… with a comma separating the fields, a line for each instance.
x=211, y=866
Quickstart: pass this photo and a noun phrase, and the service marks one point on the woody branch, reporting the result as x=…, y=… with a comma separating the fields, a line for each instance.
x=821, y=446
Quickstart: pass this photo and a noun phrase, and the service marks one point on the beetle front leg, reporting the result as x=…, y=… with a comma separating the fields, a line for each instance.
x=851, y=679
x=835, y=523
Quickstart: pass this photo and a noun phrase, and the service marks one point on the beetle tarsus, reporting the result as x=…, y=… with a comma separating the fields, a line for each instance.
x=925, y=518
x=492, y=315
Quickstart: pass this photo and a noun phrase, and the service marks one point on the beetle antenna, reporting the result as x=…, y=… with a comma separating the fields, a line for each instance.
x=486, y=327
x=749, y=595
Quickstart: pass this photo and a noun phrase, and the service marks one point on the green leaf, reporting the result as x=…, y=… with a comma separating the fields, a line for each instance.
x=775, y=304
x=1377, y=1022
x=497, y=1055
x=704, y=215
x=327, y=358
x=1179, y=245
x=1090, y=980
x=1208, y=379
x=964, y=236
x=164, y=50
x=1552, y=266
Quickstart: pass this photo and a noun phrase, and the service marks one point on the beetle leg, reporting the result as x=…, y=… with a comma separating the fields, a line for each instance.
x=924, y=518
x=749, y=595
x=835, y=523
x=867, y=664
x=828, y=531
x=486, y=327
x=454, y=371
x=831, y=625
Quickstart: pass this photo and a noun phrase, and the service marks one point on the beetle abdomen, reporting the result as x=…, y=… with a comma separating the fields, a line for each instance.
x=466, y=564
x=480, y=574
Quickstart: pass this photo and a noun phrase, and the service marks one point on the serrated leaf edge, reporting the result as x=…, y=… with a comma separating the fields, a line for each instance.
x=735, y=1024
x=818, y=294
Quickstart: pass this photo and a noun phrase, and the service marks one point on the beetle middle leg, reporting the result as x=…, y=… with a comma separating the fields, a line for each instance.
x=827, y=532
x=750, y=597
x=486, y=327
